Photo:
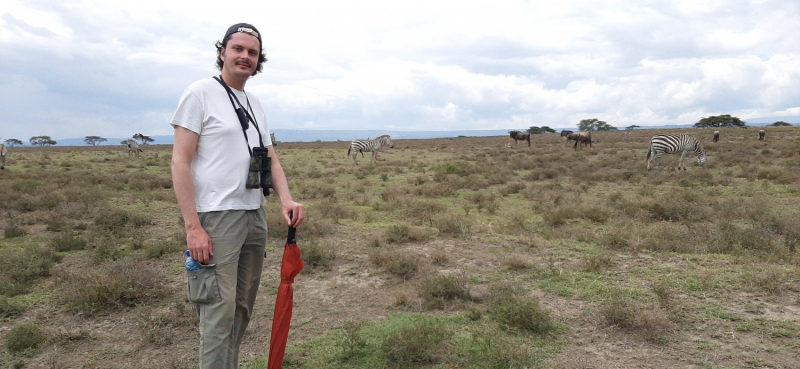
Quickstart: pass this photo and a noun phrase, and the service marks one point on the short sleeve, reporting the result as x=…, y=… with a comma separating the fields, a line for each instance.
x=189, y=114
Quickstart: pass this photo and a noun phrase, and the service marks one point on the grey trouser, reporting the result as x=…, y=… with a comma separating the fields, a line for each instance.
x=238, y=238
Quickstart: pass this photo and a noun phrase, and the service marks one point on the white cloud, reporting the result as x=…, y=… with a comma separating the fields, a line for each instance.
x=95, y=67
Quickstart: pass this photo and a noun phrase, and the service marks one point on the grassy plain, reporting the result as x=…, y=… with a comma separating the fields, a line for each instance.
x=446, y=253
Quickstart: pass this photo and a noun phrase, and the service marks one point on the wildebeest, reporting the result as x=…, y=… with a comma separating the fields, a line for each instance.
x=565, y=133
x=3, y=152
x=583, y=138
x=520, y=136
x=761, y=135
x=716, y=136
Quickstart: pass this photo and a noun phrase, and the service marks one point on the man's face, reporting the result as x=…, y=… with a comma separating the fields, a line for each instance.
x=240, y=56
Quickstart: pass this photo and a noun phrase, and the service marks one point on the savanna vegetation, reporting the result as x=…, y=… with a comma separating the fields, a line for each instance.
x=446, y=253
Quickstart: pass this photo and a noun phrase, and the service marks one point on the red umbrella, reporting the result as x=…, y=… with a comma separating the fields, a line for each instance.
x=281, y=320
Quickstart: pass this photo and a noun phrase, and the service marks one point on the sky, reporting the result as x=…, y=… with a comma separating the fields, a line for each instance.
x=78, y=68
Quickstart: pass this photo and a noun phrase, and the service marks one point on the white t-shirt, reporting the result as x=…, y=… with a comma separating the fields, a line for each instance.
x=219, y=169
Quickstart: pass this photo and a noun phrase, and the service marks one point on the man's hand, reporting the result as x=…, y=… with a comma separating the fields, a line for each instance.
x=293, y=212
x=199, y=245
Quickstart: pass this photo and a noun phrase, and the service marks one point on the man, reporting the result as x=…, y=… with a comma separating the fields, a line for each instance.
x=226, y=228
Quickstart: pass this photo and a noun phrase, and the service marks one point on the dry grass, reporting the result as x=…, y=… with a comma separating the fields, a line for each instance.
x=696, y=253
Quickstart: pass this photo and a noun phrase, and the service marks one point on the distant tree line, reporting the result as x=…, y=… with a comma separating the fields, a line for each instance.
x=534, y=130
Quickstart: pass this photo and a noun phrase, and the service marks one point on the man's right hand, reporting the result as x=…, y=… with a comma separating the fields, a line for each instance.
x=199, y=245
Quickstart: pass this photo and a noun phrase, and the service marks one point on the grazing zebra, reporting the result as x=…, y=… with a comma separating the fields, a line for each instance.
x=716, y=136
x=670, y=144
x=583, y=138
x=272, y=138
x=3, y=152
x=520, y=136
x=565, y=133
x=362, y=146
x=761, y=135
x=133, y=148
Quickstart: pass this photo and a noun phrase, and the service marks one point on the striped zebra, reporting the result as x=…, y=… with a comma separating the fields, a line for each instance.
x=272, y=138
x=133, y=148
x=3, y=152
x=761, y=135
x=368, y=145
x=671, y=144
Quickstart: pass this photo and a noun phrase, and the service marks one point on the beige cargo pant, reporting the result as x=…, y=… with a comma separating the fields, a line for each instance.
x=225, y=291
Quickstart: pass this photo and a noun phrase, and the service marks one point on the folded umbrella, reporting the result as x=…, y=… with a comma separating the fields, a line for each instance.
x=292, y=265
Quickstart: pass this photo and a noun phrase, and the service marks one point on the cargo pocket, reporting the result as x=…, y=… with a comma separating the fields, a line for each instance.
x=202, y=286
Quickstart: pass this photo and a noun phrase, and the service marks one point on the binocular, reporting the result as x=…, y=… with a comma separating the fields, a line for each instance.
x=260, y=173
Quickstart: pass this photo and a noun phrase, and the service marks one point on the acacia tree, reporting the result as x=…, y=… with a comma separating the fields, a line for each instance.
x=94, y=140
x=780, y=123
x=631, y=128
x=143, y=140
x=13, y=142
x=42, y=141
x=595, y=125
x=539, y=130
x=720, y=121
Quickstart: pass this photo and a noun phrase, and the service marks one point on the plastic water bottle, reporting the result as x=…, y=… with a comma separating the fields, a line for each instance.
x=191, y=264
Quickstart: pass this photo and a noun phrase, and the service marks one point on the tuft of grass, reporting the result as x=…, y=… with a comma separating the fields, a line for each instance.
x=20, y=268
x=9, y=309
x=435, y=291
x=119, y=221
x=67, y=242
x=595, y=263
x=13, y=232
x=404, y=233
x=423, y=342
x=110, y=287
x=619, y=310
x=453, y=225
x=25, y=336
x=317, y=256
x=439, y=257
x=523, y=313
x=397, y=262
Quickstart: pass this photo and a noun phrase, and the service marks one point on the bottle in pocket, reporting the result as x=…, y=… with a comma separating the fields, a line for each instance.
x=191, y=264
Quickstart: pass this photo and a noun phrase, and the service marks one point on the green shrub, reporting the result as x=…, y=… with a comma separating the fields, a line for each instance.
x=421, y=342
x=117, y=221
x=352, y=340
x=13, y=231
x=25, y=336
x=437, y=290
x=491, y=348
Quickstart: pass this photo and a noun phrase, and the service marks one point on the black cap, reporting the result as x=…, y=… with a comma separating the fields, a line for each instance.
x=245, y=28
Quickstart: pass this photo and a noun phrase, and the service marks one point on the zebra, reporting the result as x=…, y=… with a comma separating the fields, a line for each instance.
x=272, y=138
x=520, y=136
x=133, y=148
x=670, y=144
x=3, y=152
x=716, y=136
x=368, y=145
x=761, y=135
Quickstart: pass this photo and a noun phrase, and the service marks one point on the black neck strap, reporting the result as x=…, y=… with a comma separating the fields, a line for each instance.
x=242, y=113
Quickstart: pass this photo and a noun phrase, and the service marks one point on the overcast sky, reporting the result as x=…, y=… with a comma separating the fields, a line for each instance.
x=114, y=68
